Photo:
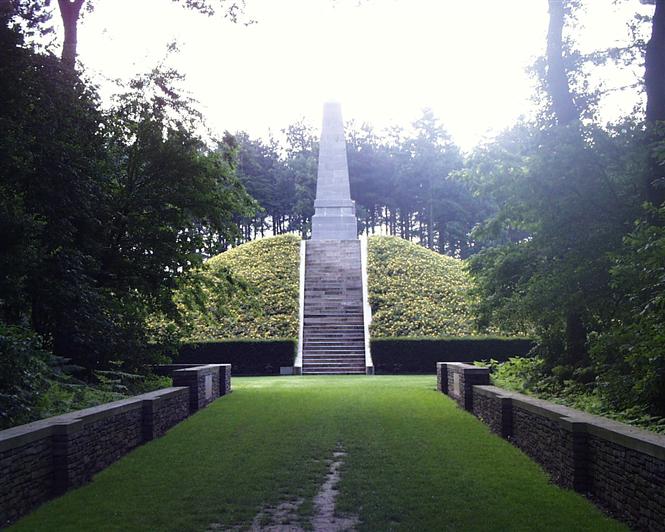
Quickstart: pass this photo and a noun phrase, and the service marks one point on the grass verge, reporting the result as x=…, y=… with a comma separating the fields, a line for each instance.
x=414, y=462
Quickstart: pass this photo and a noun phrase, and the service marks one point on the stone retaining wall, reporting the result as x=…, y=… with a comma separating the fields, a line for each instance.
x=46, y=458
x=620, y=467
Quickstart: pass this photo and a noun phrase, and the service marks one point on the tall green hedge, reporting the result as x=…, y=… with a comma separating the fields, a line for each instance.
x=247, y=357
x=390, y=355
x=420, y=355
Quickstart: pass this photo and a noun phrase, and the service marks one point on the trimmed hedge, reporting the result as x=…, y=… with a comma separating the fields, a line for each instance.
x=247, y=357
x=420, y=355
x=390, y=355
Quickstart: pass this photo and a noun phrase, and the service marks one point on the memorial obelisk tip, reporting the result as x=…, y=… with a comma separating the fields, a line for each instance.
x=334, y=211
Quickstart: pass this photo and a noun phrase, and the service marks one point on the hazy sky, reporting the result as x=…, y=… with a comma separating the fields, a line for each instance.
x=385, y=60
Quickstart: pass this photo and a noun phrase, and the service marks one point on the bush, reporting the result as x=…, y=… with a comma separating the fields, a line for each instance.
x=532, y=377
x=420, y=355
x=247, y=357
x=24, y=374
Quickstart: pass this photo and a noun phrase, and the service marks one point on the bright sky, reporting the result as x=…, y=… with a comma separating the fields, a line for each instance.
x=385, y=60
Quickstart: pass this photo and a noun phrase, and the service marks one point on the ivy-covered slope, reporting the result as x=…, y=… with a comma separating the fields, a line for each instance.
x=262, y=299
x=413, y=291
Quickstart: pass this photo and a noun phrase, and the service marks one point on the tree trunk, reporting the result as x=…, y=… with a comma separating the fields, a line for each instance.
x=565, y=113
x=576, y=351
x=6, y=9
x=654, y=81
x=70, y=11
x=557, y=79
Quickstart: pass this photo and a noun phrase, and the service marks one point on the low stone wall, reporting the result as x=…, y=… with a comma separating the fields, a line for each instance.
x=621, y=467
x=46, y=458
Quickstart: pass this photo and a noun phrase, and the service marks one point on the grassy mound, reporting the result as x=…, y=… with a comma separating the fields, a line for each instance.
x=413, y=291
x=250, y=292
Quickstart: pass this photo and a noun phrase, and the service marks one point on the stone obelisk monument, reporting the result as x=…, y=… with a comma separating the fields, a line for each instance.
x=334, y=211
x=334, y=315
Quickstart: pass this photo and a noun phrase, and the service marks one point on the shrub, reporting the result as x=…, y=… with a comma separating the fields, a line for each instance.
x=24, y=374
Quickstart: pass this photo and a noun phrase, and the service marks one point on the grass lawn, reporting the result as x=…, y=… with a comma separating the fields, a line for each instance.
x=414, y=461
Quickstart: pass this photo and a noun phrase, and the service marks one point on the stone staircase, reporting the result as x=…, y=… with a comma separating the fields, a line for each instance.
x=333, y=329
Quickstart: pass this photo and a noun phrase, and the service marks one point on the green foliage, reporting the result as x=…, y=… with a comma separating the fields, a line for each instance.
x=68, y=394
x=530, y=375
x=35, y=384
x=282, y=179
x=102, y=211
x=250, y=291
x=416, y=292
x=24, y=374
x=630, y=352
x=565, y=204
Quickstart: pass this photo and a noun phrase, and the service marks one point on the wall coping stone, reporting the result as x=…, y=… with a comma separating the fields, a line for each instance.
x=467, y=368
x=74, y=421
x=198, y=367
x=630, y=437
x=490, y=391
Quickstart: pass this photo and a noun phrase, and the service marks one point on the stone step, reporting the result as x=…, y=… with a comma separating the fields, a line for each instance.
x=333, y=327
x=359, y=359
x=334, y=338
x=320, y=363
x=349, y=360
x=357, y=347
x=328, y=351
x=323, y=342
x=333, y=365
x=350, y=371
x=322, y=314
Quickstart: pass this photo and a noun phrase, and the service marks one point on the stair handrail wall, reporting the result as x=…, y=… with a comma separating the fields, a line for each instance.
x=297, y=366
x=367, y=309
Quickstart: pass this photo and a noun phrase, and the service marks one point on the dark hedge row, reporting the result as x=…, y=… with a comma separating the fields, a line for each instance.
x=420, y=355
x=247, y=357
x=390, y=355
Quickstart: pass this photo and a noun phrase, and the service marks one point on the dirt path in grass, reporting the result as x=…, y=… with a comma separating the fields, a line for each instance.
x=284, y=517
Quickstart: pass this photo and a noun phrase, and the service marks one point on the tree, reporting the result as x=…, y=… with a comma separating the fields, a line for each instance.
x=70, y=12
x=654, y=82
x=101, y=212
x=558, y=88
x=568, y=189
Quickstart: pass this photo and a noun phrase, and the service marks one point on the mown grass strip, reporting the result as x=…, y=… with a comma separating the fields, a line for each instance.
x=414, y=461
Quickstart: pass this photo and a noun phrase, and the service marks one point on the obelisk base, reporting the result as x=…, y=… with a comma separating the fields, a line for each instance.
x=334, y=220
